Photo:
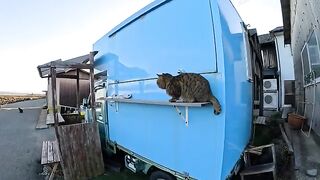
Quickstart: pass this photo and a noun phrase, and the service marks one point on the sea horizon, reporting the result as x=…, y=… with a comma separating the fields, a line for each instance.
x=11, y=93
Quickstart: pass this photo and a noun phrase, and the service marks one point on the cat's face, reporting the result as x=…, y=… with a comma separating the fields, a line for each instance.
x=163, y=80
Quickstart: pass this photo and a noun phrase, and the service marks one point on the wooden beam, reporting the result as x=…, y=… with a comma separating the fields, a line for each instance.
x=40, y=72
x=61, y=65
x=54, y=102
x=103, y=73
x=55, y=167
x=286, y=139
x=67, y=76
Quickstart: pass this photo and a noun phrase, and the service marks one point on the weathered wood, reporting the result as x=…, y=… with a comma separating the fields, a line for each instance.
x=286, y=139
x=298, y=149
x=68, y=89
x=44, y=154
x=50, y=152
x=67, y=76
x=260, y=120
x=55, y=149
x=41, y=123
x=258, y=169
x=61, y=65
x=93, y=109
x=81, y=155
x=287, y=130
x=78, y=91
x=50, y=118
x=54, y=95
x=55, y=167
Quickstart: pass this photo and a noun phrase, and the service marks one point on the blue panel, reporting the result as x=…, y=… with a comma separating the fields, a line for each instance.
x=159, y=134
x=171, y=36
x=238, y=88
x=166, y=39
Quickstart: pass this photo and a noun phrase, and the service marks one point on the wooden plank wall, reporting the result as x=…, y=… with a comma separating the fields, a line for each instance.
x=80, y=151
x=68, y=89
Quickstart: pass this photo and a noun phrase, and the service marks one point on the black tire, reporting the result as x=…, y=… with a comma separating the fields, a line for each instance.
x=161, y=175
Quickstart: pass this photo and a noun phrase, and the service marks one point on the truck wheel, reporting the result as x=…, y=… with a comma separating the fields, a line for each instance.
x=161, y=175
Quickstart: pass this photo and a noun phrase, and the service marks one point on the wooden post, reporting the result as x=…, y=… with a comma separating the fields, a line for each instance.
x=78, y=91
x=54, y=94
x=53, y=90
x=91, y=56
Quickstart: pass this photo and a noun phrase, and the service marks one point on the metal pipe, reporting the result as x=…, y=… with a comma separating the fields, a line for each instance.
x=146, y=79
x=313, y=104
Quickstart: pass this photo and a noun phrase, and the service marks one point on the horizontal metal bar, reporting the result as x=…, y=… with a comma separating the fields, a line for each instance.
x=148, y=79
x=151, y=102
x=130, y=81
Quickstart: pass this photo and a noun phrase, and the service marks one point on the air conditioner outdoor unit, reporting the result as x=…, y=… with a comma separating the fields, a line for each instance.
x=270, y=85
x=270, y=100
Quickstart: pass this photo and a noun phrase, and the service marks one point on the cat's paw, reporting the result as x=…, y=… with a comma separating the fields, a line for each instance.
x=172, y=100
x=217, y=111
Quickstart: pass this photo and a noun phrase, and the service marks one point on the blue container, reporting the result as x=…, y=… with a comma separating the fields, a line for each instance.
x=205, y=36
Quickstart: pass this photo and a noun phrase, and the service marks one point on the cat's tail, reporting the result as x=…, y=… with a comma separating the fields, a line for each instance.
x=216, y=105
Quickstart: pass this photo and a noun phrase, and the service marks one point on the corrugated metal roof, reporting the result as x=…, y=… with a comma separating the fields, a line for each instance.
x=265, y=38
x=44, y=69
x=277, y=29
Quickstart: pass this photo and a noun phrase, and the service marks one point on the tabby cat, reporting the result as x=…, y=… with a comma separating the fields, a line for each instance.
x=189, y=87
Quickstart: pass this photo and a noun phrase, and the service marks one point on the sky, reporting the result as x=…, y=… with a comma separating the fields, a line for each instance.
x=35, y=32
x=264, y=15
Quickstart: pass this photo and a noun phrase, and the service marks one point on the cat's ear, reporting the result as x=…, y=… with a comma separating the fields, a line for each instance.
x=158, y=75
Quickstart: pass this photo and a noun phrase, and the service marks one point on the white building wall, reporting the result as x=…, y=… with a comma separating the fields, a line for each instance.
x=285, y=65
x=305, y=18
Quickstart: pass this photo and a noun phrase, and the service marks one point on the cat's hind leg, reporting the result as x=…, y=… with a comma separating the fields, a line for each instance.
x=189, y=100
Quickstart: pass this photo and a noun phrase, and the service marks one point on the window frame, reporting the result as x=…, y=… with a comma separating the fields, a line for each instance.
x=247, y=52
x=306, y=45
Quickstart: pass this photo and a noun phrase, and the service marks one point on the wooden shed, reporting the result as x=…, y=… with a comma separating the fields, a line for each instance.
x=78, y=144
x=66, y=84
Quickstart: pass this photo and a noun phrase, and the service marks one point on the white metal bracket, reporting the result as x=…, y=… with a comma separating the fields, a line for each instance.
x=186, y=117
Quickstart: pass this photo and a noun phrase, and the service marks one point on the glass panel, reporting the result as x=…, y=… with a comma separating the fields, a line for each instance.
x=314, y=54
x=305, y=60
x=305, y=64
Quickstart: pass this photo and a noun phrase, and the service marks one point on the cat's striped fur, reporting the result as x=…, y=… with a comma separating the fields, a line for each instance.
x=189, y=87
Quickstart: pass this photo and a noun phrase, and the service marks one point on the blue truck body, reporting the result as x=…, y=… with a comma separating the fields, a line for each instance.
x=205, y=36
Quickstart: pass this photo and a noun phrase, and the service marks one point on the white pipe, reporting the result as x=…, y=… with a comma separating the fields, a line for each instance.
x=313, y=104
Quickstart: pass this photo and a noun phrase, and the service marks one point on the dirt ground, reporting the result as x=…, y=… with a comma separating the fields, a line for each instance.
x=6, y=99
